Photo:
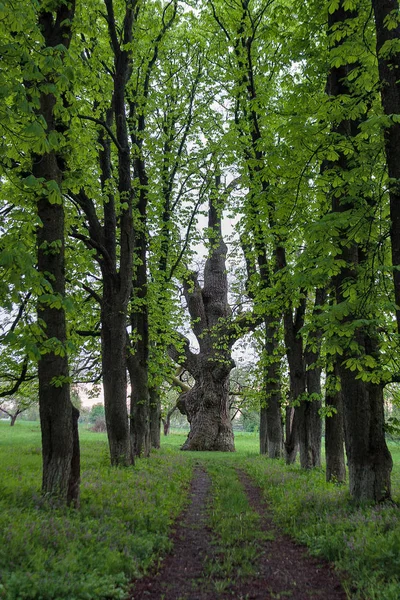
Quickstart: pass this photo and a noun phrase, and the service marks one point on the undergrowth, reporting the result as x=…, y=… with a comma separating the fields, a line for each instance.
x=362, y=541
x=123, y=525
x=120, y=530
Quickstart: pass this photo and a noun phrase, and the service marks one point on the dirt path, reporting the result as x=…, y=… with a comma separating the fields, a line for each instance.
x=181, y=576
x=284, y=569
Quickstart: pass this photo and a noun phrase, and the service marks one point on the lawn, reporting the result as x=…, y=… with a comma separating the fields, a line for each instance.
x=123, y=525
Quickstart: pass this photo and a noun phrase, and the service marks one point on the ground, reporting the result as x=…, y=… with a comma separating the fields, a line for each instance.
x=284, y=568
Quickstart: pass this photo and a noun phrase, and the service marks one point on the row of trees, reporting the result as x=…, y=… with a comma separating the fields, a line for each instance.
x=126, y=122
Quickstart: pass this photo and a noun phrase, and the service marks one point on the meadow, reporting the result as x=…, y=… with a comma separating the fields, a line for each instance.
x=124, y=523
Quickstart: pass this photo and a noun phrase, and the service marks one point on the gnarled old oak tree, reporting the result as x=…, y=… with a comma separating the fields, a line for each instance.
x=207, y=403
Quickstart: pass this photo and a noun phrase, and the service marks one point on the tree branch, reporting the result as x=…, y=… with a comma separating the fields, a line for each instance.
x=106, y=127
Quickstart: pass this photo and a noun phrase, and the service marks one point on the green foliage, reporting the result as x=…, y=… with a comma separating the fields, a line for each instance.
x=96, y=412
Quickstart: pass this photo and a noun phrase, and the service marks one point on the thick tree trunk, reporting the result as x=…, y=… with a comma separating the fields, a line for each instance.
x=13, y=419
x=207, y=408
x=60, y=448
x=207, y=403
x=113, y=341
x=155, y=418
x=334, y=434
x=138, y=358
x=368, y=457
x=389, y=74
x=313, y=417
x=54, y=391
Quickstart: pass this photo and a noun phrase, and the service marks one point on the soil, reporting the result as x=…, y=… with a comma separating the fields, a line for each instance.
x=285, y=570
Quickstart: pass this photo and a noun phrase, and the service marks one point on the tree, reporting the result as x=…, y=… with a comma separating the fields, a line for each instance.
x=387, y=38
x=15, y=406
x=207, y=403
x=40, y=122
x=368, y=457
x=255, y=88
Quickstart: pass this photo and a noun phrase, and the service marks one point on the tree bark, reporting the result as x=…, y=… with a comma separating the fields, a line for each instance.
x=167, y=421
x=113, y=240
x=60, y=448
x=313, y=385
x=207, y=403
x=368, y=457
x=113, y=338
x=139, y=412
x=138, y=357
x=296, y=423
x=155, y=418
x=271, y=427
x=389, y=74
x=334, y=433
x=207, y=408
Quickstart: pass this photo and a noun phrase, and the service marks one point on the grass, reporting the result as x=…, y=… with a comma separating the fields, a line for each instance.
x=120, y=530
x=124, y=522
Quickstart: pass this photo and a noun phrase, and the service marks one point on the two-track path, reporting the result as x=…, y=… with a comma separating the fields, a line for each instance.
x=284, y=569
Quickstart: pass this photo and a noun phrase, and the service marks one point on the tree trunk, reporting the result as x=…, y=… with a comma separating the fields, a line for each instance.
x=138, y=358
x=368, y=457
x=296, y=424
x=167, y=420
x=207, y=408
x=313, y=384
x=155, y=418
x=207, y=403
x=166, y=425
x=113, y=341
x=313, y=417
x=334, y=433
x=13, y=419
x=139, y=412
x=271, y=428
x=59, y=448
x=389, y=74
x=291, y=443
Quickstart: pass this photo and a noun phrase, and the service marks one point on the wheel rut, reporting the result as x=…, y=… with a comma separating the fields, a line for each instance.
x=181, y=576
x=284, y=569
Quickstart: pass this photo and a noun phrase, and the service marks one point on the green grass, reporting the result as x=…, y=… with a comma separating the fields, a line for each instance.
x=119, y=531
x=124, y=522
x=235, y=524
